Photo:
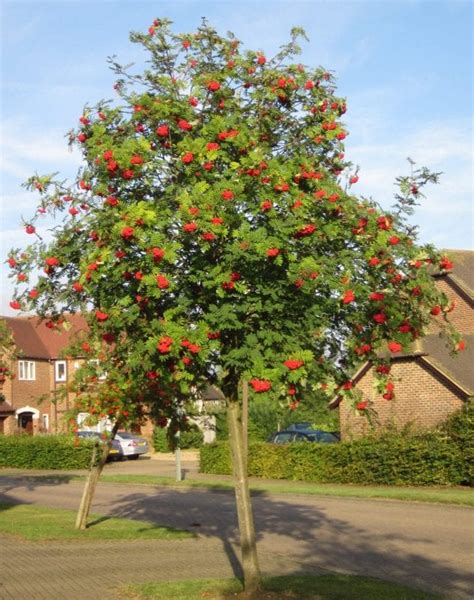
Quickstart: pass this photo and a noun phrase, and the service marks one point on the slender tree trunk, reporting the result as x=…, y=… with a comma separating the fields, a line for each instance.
x=250, y=567
x=95, y=470
x=245, y=419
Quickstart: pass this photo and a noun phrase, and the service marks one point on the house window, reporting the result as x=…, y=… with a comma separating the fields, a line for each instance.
x=60, y=372
x=26, y=370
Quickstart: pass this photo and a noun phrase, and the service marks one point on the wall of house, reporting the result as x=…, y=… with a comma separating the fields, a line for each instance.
x=29, y=393
x=423, y=398
x=21, y=393
x=64, y=398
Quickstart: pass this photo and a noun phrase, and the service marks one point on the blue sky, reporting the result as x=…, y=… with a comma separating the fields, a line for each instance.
x=405, y=68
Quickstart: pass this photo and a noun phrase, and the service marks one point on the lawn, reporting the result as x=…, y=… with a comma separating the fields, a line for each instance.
x=443, y=495
x=39, y=523
x=294, y=587
x=463, y=496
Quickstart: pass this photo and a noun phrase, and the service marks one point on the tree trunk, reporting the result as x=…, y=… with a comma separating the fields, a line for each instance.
x=95, y=470
x=245, y=419
x=250, y=567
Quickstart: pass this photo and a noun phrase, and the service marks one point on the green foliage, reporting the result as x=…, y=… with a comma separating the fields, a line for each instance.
x=160, y=440
x=459, y=429
x=222, y=426
x=393, y=459
x=312, y=409
x=190, y=438
x=265, y=416
x=213, y=234
x=45, y=452
x=8, y=353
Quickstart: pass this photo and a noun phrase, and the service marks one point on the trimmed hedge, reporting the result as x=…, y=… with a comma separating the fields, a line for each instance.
x=429, y=459
x=193, y=438
x=45, y=452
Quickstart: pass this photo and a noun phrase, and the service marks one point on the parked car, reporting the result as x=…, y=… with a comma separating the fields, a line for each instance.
x=115, y=452
x=132, y=445
x=310, y=435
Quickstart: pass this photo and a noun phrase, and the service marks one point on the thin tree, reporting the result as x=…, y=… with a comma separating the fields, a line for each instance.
x=212, y=235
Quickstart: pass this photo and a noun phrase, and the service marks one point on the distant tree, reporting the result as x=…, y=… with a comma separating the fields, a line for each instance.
x=212, y=235
x=8, y=354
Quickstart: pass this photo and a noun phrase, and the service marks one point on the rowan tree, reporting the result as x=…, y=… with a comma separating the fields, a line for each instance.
x=212, y=235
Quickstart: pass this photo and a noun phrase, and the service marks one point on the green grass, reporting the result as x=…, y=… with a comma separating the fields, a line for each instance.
x=294, y=587
x=39, y=523
x=462, y=496
x=442, y=495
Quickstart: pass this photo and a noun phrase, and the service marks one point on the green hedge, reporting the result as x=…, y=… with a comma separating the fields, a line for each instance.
x=193, y=438
x=430, y=459
x=44, y=452
x=459, y=429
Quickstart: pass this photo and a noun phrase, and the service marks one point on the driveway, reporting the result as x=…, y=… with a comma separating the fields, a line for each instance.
x=422, y=545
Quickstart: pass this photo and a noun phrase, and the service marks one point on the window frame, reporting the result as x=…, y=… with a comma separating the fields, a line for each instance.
x=26, y=370
x=57, y=378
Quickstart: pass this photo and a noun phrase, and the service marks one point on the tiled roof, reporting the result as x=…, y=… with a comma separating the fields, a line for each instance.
x=458, y=368
x=34, y=340
x=463, y=270
x=432, y=349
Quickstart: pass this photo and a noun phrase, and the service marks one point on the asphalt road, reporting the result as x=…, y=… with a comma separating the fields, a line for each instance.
x=428, y=546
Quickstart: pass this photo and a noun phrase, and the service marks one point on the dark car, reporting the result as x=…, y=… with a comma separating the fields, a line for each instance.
x=311, y=435
x=115, y=452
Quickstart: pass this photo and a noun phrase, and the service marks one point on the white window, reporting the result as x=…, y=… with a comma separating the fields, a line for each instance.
x=26, y=370
x=60, y=370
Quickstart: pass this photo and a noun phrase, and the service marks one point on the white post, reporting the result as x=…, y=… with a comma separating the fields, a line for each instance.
x=177, y=454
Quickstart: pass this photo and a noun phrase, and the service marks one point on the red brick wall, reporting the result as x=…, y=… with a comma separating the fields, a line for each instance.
x=28, y=393
x=423, y=398
x=21, y=393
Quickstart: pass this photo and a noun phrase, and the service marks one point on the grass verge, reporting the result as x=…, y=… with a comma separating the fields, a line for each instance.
x=462, y=496
x=292, y=587
x=39, y=523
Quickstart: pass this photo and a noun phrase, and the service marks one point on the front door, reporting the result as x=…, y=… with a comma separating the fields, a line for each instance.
x=25, y=422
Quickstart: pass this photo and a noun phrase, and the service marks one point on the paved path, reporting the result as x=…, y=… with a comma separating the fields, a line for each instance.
x=422, y=545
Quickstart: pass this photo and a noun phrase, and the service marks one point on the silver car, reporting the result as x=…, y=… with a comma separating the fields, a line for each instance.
x=132, y=445
x=115, y=452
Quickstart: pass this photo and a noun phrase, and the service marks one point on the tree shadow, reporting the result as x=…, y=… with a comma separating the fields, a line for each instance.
x=12, y=481
x=99, y=520
x=305, y=533
x=296, y=533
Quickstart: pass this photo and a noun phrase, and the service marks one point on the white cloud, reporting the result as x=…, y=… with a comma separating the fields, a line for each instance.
x=21, y=142
x=445, y=216
x=13, y=205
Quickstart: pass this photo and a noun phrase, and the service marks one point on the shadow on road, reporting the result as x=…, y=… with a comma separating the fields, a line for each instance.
x=295, y=533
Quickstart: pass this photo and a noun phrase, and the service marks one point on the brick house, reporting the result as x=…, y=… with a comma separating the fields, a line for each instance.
x=31, y=401
x=430, y=383
x=41, y=372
